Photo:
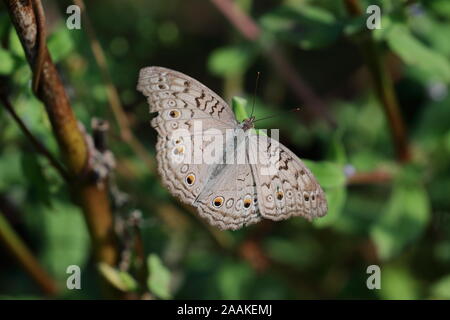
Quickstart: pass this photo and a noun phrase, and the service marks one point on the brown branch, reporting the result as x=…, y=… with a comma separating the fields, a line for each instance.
x=384, y=87
x=70, y=138
x=374, y=177
x=20, y=252
x=34, y=141
x=252, y=32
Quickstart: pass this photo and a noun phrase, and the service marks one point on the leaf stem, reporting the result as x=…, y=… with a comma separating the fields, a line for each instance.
x=384, y=88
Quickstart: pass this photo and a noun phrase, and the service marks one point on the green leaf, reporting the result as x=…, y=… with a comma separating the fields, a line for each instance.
x=65, y=237
x=158, y=280
x=6, y=62
x=441, y=7
x=239, y=105
x=336, y=198
x=130, y=283
x=441, y=289
x=60, y=44
x=415, y=53
x=332, y=179
x=33, y=172
x=398, y=284
x=230, y=60
x=10, y=170
x=328, y=174
x=233, y=279
x=306, y=26
x=405, y=218
x=14, y=44
x=119, y=279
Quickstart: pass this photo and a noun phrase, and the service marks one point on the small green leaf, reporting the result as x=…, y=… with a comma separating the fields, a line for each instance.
x=441, y=289
x=128, y=280
x=6, y=62
x=415, y=53
x=233, y=278
x=65, y=236
x=328, y=174
x=336, y=198
x=119, y=279
x=60, y=44
x=404, y=219
x=14, y=44
x=239, y=108
x=332, y=179
x=158, y=280
x=37, y=181
x=441, y=7
x=398, y=284
x=230, y=60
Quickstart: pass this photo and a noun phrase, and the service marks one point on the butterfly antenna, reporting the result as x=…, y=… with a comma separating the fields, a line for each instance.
x=254, y=95
x=279, y=114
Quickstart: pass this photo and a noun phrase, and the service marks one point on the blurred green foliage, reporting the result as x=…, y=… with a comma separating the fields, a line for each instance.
x=402, y=225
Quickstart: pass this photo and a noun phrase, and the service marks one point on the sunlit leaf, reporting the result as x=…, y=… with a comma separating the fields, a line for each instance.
x=63, y=245
x=159, y=277
x=230, y=60
x=404, y=219
x=398, y=283
x=336, y=198
x=441, y=289
x=6, y=62
x=60, y=44
x=328, y=174
x=120, y=279
x=415, y=53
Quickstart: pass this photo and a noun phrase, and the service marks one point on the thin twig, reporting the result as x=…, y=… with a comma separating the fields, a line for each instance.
x=20, y=252
x=113, y=96
x=41, y=35
x=384, y=87
x=38, y=145
x=252, y=32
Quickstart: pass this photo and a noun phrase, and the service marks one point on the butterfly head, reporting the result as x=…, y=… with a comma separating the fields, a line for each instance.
x=248, y=123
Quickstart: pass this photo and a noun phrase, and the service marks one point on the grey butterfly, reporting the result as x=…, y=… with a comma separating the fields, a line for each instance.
x=228, y=195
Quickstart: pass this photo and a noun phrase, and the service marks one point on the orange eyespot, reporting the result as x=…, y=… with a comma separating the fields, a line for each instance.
x=190, y=179
x=174, y=114
x=218, y=202
x=178, y=150
x=247, y=203
x=280, y=195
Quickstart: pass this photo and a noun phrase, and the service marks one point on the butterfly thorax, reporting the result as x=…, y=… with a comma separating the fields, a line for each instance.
x=248, y=123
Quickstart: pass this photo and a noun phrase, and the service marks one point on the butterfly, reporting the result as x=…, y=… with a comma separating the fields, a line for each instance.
x=228, y=194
